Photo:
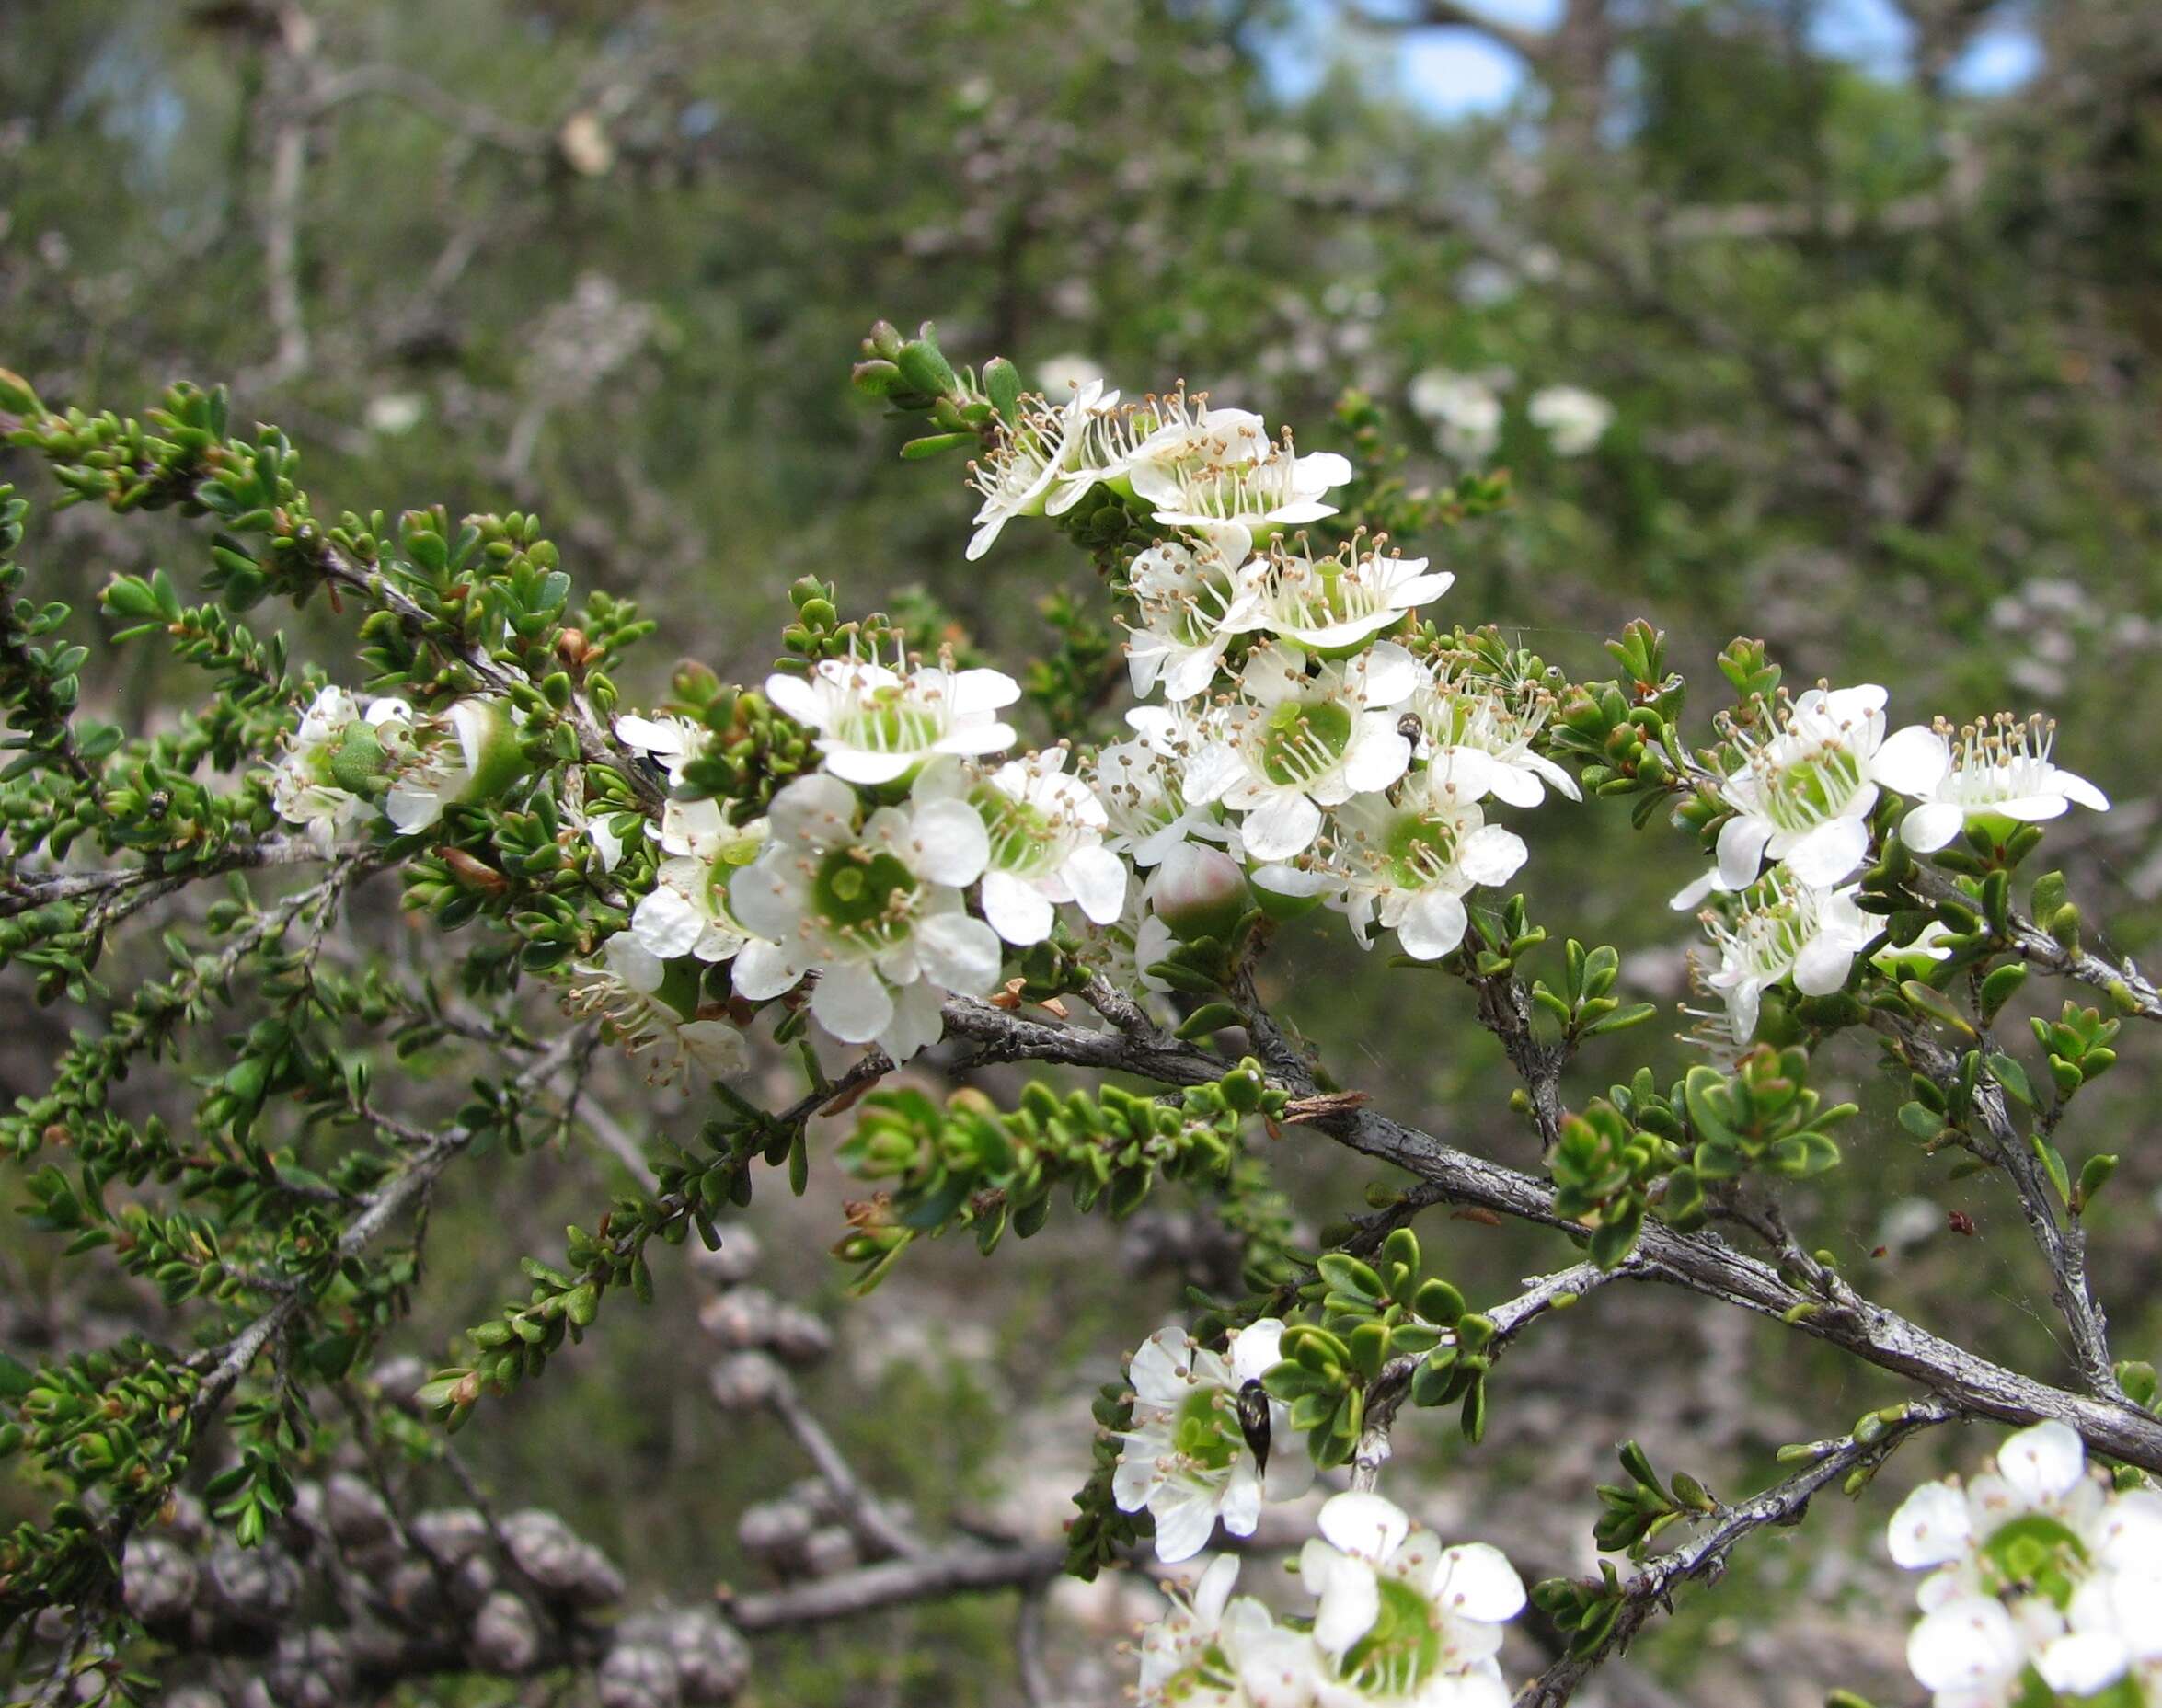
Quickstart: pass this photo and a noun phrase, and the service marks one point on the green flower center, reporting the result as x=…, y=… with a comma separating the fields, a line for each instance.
x=1811, y=789
x=2036, y=1552
x=1403, y=1646
x=865, y=898
x=1024, y=839
x=886, y=722
x=1303, y=740
x=1205, y=1432
x=1420, y=851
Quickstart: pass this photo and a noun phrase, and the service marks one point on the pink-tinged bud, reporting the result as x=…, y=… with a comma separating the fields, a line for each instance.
x=1199, y=891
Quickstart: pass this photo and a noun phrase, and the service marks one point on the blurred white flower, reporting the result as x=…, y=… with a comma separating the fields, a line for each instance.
x=1464, y=414
x=1573, y=419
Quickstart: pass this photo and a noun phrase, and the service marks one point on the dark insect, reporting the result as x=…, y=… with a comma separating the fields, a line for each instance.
x=1253, y=1424
x=1409, y=727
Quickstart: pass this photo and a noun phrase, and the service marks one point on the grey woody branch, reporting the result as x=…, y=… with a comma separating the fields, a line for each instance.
x=1701, y=1263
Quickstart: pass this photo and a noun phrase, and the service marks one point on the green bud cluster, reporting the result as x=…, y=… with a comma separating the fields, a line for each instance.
x=969, y=1164
x=1604, y=1170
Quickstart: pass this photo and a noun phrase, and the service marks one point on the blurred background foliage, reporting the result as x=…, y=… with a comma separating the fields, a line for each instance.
x=1882, y=350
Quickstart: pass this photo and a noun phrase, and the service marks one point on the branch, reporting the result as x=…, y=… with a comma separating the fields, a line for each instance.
x=875, y=1529
x=2061, y=1241
x=1530, y=44
x=21, y=892
x=1701, y=1263
x=436, y=103
x=1705, y=1556
x=964, y=1566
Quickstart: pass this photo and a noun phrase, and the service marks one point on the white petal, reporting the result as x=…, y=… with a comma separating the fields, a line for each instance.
x=1281, y=827
x=763, y=970
x=1931, y=825
x=1491, y=854
x=2083, y=1662
x=1968, y=1641
x=950, y=842
x=1348, y=1606
x=1098, y=877
x=1392, y=675
x=1241, y=1506
x=2043, y=1462
x=1821, y=967
x=959, y=953
x=853, y=765
x=1135, y=1479
x=1432, y=926
x=1475, y=1581
x=1378, y=756
x=716, y=1045
x=978, y=737
x=1912, y=760
x=1184, y=1525
x=917, y=1022
x=1159, y=1370
x=667, y=923
x=1519, y=785
x=1689, y=895
x=1364, y=1524
x=2076, y=788
x=983, y=691
x=765, y=897
x=1256, y=1348
x=1830, y=851
x=1930, y=1528
x=1741, y=850
x=817, y=812
x=851, y=1003
x=1018, y=910
x=793, y=696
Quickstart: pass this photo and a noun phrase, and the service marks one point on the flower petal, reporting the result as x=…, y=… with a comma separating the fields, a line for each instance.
x=1912, y=760
x=2042, y=1462
x=1017, y=911
x=851, y=1003
x=1475, y=1581
x=1364, y=1524
x=950, y=842
x=959, y=953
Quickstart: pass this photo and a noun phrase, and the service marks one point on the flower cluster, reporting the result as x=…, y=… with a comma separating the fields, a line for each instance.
x=2043, y=1578
x=1397, y=1618
x=348, y=765
x=1802, y=798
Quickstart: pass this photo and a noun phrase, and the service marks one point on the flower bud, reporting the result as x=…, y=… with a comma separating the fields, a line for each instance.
x=1199, y=891
x=488, y=741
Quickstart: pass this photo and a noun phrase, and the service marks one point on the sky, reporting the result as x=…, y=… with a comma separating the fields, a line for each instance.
x=1451, y=73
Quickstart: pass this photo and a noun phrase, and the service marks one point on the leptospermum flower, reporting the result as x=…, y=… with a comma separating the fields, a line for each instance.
x=2037, y=1565
x=1784, y=929
x=334, y=762
x=1402, y=1617
x=1573, y=419
x=1483, y=740
x=686, y=912
x=1803, y=796
x=1192, y=599
x=1046, y=843
x=2001, y=768
x=876, y=725
x=1142, y=785
x=1018, y=473
x=1215, y=1652
x=670, y=740
x=655, y=1009
x=873, y=906
x=1281, y=490
x=1186, y=1457
x=1332, y=605
x=1408, y=858
x=1109, y=437
x=478, y=759
x=1293, y=743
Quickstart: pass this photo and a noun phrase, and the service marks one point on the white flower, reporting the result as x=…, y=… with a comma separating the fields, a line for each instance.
x=875, y=909
x=2002, y=767
x=1803, y=796
x=1142, y=785
x=1205, y=468
x=1400, y=1615
x=1214, y=1652
x=1192, y=600
x=687, y=912
x=479, y=759
x=1408, y=862
x=1046, y=835
x=596, y=828
x=1573, y=419
x=1186, y=1457
x=877, y=724
x=1484, y=741
x=1333, y=604
x=675, y=742
x=1463, y=411
x=655, y=1010
x=2038, y=1563
x=1784, y=929
x=334, y=762
x=1027, y=459
x=1296, y=743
